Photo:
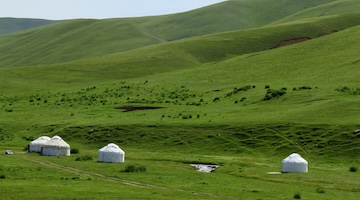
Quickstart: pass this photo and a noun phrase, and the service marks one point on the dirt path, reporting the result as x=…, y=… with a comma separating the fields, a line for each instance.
x=126, y=182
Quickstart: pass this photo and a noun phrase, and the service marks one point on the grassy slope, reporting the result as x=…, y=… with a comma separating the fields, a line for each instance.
x=169, y=56
x=247, y=139
x=11, y=25
x=191, y=92
x=332, y=8
x=78, y=39
x=226, y=16
x=72, y=40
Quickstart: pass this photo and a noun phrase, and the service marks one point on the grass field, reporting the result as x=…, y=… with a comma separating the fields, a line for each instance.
x=238, y=99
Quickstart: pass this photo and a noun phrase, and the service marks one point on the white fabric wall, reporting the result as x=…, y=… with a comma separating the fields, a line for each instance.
x=55, y=151
x=105, y=156
x=35, y=147
x=295, y=167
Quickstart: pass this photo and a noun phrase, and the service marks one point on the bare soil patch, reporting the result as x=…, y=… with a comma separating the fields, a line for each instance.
x=292, y=41
x=134, y=108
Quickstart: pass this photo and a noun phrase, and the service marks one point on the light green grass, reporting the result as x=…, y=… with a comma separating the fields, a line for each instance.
x=170, y=177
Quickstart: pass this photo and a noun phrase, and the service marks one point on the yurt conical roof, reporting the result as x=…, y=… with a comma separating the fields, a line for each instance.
x=294, y=158
x=58, y=142
x=112, y=148
x=40, y=140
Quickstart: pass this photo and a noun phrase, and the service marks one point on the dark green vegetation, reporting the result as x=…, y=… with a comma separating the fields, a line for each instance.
x=242, y=99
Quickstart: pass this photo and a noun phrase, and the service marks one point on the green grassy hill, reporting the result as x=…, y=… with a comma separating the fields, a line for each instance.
x=77, y=39
x=170, y=56
x=307, y=82
x=72, y=40
x=332, y=8
x=243, y=100
x=12, y=25
x=226, y=16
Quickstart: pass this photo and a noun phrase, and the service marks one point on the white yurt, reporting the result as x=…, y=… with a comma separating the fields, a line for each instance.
x=294, y=163
x=35, y=145
x=111, y=153
x=56, y=147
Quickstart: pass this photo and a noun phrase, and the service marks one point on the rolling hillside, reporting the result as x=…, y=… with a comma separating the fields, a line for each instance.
x=242, y=99
x=72, y=40
x=308, y=109
x=332, y=8
x=78, y=39
x=237, y=77
x=176, y=55
x=12, y=25
x=226, y=16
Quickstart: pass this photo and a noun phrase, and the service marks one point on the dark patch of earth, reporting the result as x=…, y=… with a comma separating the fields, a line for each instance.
x=134, y=108
x=292, y=41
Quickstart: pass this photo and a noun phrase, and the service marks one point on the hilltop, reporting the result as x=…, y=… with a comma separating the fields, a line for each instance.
x=12, y=25
x=78, y=39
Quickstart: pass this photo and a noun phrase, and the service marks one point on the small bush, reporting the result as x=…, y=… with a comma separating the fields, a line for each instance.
x=267, y=86
x=270, y=94
x=353, y=169
x=83, y=158
x=2, y=176
x=305, y=88
x=130, y=168
x=74, y=151
x=297, y=196
x=320, y=190
x=135, y=168
x=216, y=99
x=140, y=168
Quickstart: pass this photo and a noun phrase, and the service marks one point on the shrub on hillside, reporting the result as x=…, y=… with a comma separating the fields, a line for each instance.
x=320, y=190
x=305, y=88
x=353, y=169
x=216, y=99
x=2, y=176
x=134, y=168
x=74, y=151
x=297, y=196
x=348, y=90
x=236, y=90
x=270, y=94
x=83, y=158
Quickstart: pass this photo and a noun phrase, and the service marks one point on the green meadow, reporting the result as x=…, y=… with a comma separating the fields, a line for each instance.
x=242, y=94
